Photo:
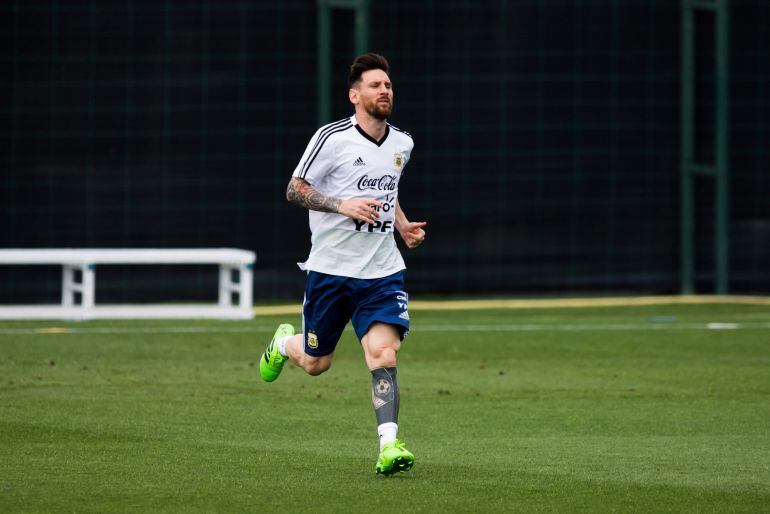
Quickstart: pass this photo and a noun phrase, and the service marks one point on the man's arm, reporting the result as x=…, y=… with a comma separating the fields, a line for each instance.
x=303, y=194
x=411, y=231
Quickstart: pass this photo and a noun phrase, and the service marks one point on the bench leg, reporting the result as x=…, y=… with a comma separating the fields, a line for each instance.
x=68, y=286
x=225, y=286
x=246, y=285
x=243, y=287
x=89, y=286
x=86, y=287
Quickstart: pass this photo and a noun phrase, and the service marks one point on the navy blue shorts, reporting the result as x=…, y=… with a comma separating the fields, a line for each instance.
x=331, y=301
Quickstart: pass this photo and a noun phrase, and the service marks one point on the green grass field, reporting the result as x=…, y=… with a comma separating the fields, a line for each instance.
x=643, y=409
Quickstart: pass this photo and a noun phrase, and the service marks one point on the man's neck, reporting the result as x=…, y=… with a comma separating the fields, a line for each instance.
x=371, y=125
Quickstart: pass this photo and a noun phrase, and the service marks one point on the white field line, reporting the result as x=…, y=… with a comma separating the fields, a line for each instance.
x=524, y=327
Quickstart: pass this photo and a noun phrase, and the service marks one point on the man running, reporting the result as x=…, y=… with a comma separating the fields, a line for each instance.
x=348, y=180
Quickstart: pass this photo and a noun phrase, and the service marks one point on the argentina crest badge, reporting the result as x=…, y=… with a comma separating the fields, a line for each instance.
x=312, y=340
x=398, y=161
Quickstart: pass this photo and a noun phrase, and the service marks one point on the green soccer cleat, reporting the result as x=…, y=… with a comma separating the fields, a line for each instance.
x=271, y=362
x=394, y=458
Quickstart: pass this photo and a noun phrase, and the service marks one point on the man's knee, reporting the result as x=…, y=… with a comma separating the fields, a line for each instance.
x=316, y=365
x=381, y=344
x=383, y=355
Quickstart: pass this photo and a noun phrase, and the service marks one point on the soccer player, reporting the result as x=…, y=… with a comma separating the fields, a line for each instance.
x=348, y=180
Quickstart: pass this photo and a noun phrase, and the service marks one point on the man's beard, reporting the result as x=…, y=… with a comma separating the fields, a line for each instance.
x=379, y=111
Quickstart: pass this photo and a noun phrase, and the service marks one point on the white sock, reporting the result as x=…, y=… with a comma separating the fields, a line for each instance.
x=388, y=433
x=282, y=345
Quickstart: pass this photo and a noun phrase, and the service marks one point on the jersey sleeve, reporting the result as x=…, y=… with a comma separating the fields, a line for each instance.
x=408, y=154
x=317, y=160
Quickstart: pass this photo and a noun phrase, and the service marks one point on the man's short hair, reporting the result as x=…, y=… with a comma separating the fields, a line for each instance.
x=364, y=63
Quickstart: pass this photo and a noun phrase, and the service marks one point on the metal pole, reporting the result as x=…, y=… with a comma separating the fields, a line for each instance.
x=722, y=135
x=324, y=43
x=362, y=26
x=687, y=120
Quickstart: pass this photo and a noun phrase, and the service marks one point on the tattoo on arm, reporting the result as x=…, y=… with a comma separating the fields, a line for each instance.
x=303, y=194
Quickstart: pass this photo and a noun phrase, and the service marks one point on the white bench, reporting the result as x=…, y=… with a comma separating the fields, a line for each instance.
x=84, y=262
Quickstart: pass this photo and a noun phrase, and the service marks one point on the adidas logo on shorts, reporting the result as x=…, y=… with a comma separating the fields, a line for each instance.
x=404, y=315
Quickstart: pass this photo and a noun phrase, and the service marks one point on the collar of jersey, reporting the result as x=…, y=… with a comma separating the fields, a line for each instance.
x=370, y=138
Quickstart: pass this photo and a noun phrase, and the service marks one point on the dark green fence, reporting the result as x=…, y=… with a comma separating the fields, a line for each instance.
x=547, y=139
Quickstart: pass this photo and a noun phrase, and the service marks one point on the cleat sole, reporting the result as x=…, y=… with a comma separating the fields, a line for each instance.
x=399, y=466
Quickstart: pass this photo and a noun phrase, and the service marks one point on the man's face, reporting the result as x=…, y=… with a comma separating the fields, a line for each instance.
x=374, y=93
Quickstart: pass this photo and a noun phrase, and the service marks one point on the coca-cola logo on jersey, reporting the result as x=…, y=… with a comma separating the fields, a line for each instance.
x=384, y=183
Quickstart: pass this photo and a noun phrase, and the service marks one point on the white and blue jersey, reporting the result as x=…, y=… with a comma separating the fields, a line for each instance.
x=342, y=161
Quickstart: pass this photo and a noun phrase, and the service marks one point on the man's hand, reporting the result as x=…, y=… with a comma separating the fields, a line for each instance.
x=412, y=233
x=361, y=209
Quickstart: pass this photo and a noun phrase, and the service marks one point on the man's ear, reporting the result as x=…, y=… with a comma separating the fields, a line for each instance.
x=353, y=96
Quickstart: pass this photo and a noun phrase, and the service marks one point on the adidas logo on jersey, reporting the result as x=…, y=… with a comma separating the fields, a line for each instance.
x=359, y=162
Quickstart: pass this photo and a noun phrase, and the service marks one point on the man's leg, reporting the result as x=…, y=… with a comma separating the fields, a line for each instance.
x=294, y=348
x=381, y=344
x=287, y=345
x=325, y=312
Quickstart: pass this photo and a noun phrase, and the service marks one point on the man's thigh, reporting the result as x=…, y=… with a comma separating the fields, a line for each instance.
x=381, y=300
x=327, y=309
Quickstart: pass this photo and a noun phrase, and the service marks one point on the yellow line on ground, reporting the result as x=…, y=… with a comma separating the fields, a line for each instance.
x=278, y=310
x=51, y=330
x=547, y=303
